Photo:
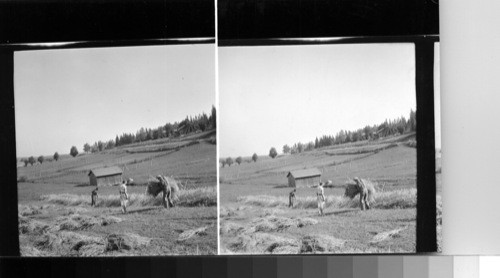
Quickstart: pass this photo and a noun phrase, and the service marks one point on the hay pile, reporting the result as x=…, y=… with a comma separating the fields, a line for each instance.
x=226, y=212
x=76, y=222
x=126, y=241
x=202, y=196
x=320, y=243
x=191, y=233
x=266, y=243
x=30, y=226
x=70, y=244
x=30, y=251
x=28, y=210
x=387, y=235
x=352, y=190
x=155, y=187
x=402, y=198
x=227, y=227
x=76, y=210
x=263, y=243
x=274, y=223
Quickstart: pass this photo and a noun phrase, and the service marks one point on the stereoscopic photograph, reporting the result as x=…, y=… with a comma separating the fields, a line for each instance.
x=318, y=148
x=116, y=150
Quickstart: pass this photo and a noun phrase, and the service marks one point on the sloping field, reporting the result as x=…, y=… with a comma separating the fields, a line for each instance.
x=259, y=190
x=388, y=163
x=192, y=162
x=56, y=218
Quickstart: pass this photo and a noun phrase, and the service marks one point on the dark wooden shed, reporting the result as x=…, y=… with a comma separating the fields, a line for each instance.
x=304, y=178
x=105, y=176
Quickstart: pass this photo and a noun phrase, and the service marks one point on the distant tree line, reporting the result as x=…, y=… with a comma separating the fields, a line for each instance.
x=201, y=122
x=387, y=128
x=229, y=161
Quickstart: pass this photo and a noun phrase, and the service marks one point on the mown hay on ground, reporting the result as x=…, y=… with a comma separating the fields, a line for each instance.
x=28, y=210
x=76, y=222
x=320, y=244
x=227, y=227
x=387, y=235
x=403, y=198
x=126, y=241
x=263, y=243
x=31, y=226
x=274, y=223
x=67, y=243
x=191, y=233
x=204, y=196
x=30, y=251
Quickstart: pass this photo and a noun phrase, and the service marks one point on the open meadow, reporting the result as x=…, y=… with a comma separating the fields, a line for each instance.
x=56, y=217
x=255, y=217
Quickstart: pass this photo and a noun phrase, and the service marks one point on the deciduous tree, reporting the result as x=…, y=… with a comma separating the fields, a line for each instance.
x=254, y=157
x=272, y=152
x=74, y=151
x=239, y=160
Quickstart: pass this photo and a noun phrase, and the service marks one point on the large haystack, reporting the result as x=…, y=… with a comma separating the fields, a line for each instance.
x=155, y=187
x=352, y=189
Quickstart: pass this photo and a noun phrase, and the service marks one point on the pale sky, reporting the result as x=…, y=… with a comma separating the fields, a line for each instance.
x=275, y=95
x=72, y=96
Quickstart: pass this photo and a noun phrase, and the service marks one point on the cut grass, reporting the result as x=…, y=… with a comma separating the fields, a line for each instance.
x=403, y=198
x=206, y=196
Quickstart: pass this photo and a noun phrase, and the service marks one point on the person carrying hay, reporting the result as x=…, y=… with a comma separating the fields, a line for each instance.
x=167, y=191
x=320, y=195
x=94, y=196
x=364, y=188
x=291, y=198
x=123, y=196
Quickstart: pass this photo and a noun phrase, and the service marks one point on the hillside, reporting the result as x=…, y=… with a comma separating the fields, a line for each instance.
x=192, y=155
x=255, y=217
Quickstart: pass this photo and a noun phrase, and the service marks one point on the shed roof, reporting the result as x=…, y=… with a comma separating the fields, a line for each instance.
x=107, y=171
x=304, y=173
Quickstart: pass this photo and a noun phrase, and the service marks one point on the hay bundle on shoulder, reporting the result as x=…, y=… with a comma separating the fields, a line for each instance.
x=353, y=189
x=155, y=187
x=167, y=185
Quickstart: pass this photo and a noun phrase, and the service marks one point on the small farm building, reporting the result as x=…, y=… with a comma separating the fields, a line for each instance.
x=304, y=178
x=106, y=176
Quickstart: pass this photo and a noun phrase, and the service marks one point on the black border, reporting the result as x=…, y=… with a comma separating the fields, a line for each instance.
x=23, y=21
x=259, y=19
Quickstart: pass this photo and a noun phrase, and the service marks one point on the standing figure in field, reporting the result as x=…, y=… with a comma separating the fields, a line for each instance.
x=291, y=198
x=123, y=196
x=320, y=195
x=364, y=188
x=94, y=196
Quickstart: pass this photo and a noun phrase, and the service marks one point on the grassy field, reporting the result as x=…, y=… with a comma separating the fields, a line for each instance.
x=56, y=219
x=255, y=218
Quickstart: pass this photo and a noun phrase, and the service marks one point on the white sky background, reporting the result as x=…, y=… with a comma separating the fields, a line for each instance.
x=73, y=96
x=275, y=95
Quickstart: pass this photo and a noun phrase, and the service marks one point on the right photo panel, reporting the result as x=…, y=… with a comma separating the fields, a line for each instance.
x=318, y=148
x=328, y=139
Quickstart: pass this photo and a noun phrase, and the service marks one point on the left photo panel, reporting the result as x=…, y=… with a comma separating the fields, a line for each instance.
x=116, y=150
